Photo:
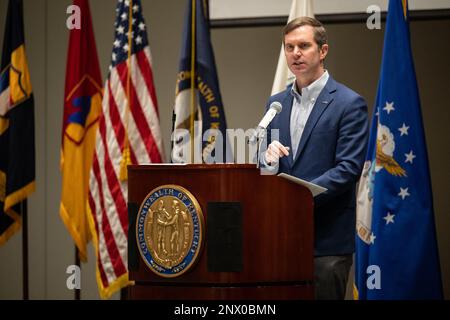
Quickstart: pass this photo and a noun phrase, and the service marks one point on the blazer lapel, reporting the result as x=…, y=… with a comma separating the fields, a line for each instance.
x=285, y=117
x=323, y=101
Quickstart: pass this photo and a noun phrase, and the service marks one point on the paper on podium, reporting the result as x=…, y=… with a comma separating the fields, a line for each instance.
x=314, y=188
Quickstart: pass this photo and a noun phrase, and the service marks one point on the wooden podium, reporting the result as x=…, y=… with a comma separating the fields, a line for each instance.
x=276, y=253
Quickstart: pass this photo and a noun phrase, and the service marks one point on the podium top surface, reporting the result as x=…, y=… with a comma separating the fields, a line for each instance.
x=191, y=166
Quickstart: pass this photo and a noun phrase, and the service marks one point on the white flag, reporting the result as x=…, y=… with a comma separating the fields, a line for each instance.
x=283, y=76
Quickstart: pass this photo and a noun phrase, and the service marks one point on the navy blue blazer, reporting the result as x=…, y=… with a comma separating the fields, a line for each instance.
x=331, y=153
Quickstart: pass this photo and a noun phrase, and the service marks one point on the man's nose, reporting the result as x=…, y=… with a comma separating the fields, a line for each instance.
x=297, y=51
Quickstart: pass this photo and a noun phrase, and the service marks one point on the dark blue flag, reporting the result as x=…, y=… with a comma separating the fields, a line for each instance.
x=396, y=250
x=197, y=91
x=17, y=154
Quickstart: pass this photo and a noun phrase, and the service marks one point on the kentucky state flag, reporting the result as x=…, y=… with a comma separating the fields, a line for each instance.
x=17, y=166
x=197, y=84
x=396, y=251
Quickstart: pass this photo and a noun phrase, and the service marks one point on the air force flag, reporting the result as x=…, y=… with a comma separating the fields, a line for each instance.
x=396, y=251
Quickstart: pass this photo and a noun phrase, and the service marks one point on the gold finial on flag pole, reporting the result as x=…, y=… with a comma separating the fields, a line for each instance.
x=405, y=7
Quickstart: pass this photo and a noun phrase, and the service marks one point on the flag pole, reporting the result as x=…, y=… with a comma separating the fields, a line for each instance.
x=193, y=22
x=78, y=264
x=126, y=158
x=124, y=293
x=23, y=209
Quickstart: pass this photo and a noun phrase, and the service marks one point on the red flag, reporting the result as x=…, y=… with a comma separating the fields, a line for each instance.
x=129, y=133
x=82, y=109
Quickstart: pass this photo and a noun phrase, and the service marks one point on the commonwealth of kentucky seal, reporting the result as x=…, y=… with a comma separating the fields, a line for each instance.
x=169, y=230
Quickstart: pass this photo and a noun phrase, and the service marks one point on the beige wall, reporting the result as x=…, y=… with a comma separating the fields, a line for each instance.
x=246, y=60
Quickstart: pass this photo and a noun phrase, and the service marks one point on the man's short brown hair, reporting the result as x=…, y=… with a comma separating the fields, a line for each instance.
x=320, y=34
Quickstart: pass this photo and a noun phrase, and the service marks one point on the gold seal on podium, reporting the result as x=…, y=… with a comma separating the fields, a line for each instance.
x=169, y=230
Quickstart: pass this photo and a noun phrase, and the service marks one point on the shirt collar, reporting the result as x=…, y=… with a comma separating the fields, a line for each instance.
x=313, y=90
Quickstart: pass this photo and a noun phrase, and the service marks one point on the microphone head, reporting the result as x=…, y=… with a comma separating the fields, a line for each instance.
x=276, y=106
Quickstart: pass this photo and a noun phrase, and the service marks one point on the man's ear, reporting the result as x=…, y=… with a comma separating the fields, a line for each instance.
x=323, y=51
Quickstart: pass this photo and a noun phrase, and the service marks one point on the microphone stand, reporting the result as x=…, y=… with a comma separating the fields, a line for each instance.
x=174, y=117
x=258, y=139
x=258, y=146
x=257, y=151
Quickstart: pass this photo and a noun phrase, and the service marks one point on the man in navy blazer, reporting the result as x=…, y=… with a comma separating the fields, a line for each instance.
x=323, y=132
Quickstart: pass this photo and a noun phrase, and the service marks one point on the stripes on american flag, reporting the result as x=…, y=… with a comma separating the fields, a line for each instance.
x=129, y=115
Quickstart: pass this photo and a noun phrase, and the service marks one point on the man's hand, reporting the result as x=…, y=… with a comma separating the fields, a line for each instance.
x=275, y=151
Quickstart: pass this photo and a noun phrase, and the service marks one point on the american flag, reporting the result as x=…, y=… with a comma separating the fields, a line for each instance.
x=129, y=126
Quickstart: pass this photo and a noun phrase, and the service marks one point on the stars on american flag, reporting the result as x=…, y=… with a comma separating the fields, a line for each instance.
x=121, y=47
x=131, y=106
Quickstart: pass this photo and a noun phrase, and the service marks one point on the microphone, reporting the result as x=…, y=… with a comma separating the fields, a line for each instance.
x=274, y=109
